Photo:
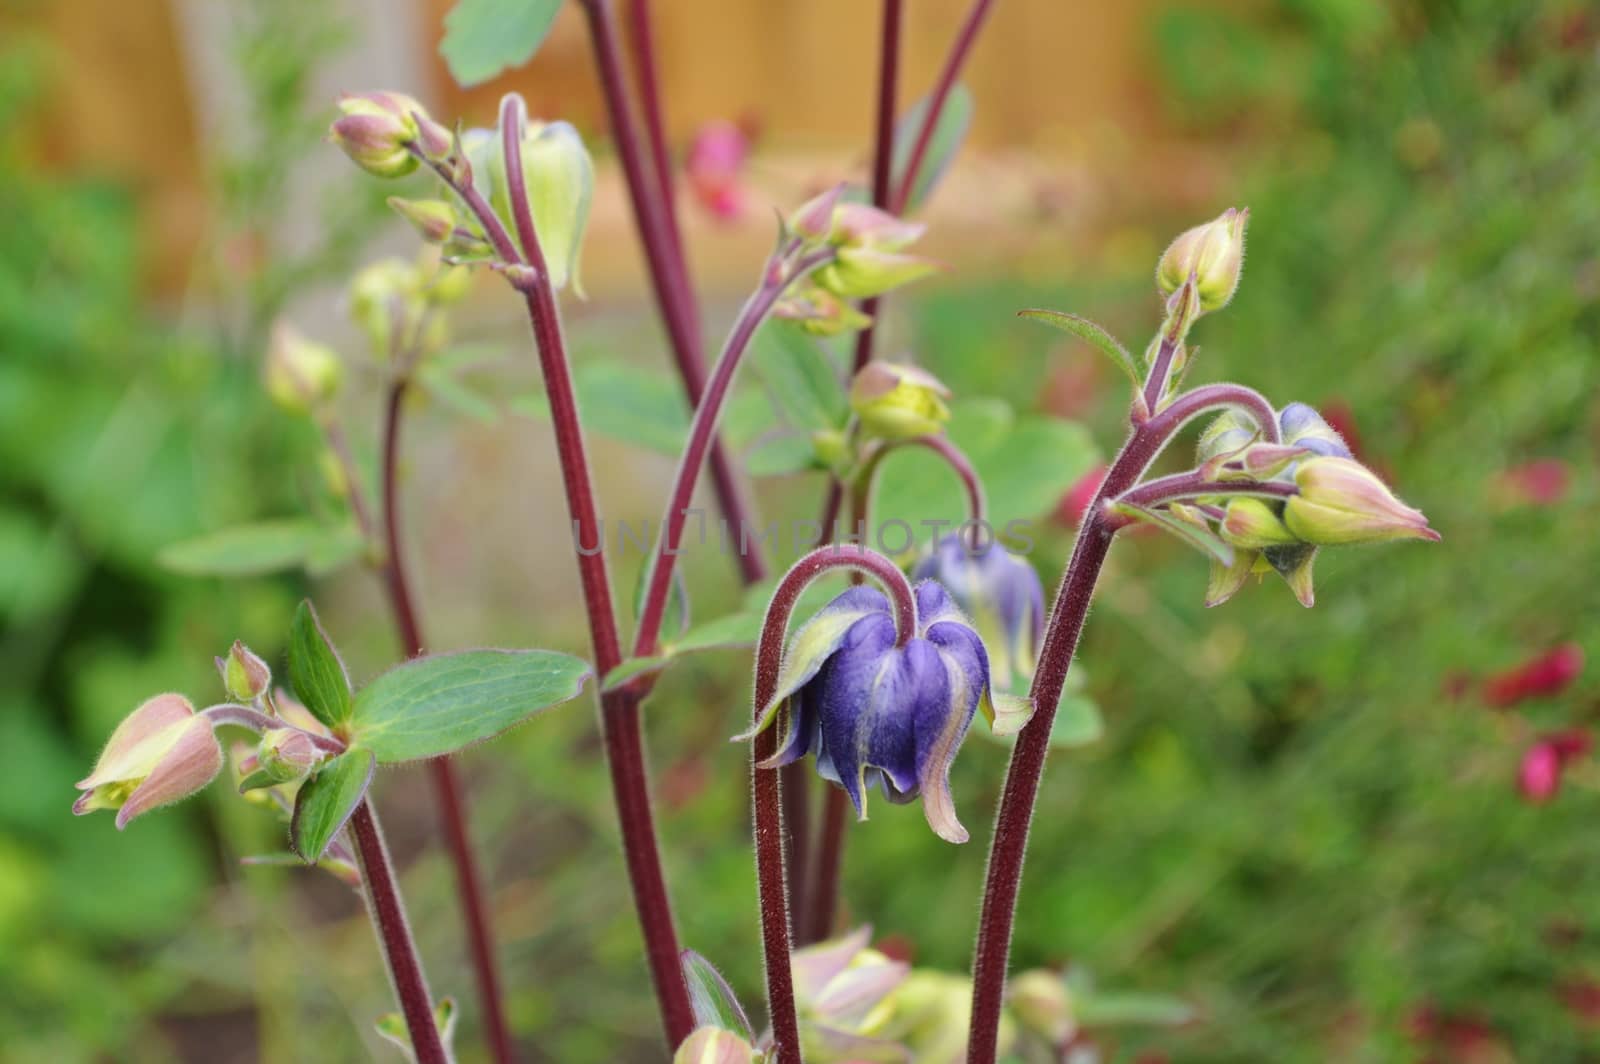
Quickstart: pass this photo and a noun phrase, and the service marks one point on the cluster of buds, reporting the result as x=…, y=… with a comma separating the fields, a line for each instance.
x=396, y=304
x=895, y=401
x=870, y=258
x=1334, y=500
x=879, y=714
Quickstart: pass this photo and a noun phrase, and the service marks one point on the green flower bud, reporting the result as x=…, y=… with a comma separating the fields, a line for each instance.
x=244, y=675
x=376, y=129
x=819, y=312
x=1213, y=254
x=161, y=753
x=559, y=176
x=434, y=220
x=1043, y=1005
x=899, y=402
x=861, y=272
x=387, y=302
x=287, y=754
x=1254, y=524
x=1341, y=501
x=713, y=1045
x=300, y=375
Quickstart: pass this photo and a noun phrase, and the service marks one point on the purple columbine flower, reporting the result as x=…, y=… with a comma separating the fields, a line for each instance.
x=877, y=714
x=1001, y=593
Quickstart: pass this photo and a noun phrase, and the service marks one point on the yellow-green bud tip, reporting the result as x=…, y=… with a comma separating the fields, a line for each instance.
x=1213, y=254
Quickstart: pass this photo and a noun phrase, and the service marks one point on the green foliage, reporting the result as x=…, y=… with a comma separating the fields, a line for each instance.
x=327, y=800
x=264, y=547
x=432, y=706
x=316, y=672
x=1093, y=335
x=484, y=37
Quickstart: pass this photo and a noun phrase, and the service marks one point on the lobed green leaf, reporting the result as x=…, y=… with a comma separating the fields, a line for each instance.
x=326, y=800
x=484, y=37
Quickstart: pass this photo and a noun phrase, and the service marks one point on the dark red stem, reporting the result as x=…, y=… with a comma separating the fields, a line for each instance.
x=447, y=789
x=824, y=891
x=394, y=935
x=669, y=275
x=1071, y=606
x=766, y=798
x=1181, y=486
x=641, y=35
x=779, y=273
x=965, y=39
x=619, y=710
x=882, y=149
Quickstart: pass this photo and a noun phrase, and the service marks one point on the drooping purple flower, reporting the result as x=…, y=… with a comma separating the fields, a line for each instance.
x=876, y=714
x=1002, y=595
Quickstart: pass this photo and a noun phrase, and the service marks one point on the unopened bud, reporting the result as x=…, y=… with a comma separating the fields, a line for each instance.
x=386, y=301
x=1254, y=524
x=899, y=402
x=300, y=375
x=161, y=753
x=713, y=1045
x=287, y=754
x=862, y=226
x=1341, y=501
x=376, y=129
x=1301, y=426
x=861, y=272
x=813, y=222
x=1043, y=1005
x=559, y=179
x=1213, y=254
x=820, y=313
x=244, y=675
x=434, y=220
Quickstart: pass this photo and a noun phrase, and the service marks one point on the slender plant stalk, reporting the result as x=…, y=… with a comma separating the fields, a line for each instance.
x=795, y=785
x=394, y=935
x=1009, y=845
x=447, y=788
x=822, y=893
x=653, y=212
x=959, y=51
x=778, y=275
x=882, y=149
x=766, y=800
x=642, y=38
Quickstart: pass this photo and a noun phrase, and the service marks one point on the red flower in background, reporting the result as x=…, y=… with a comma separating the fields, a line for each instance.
x=1539, y=777
x=1548, y=674
x=1541, y=482
x=1071, y=508
x=1582, y=999
x=715, y=168
x=1337, y=413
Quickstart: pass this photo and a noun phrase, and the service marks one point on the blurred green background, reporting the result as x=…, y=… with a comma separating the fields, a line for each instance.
x=1305, y=823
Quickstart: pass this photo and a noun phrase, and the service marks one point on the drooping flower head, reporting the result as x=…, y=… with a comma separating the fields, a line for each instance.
x=161, y=753
x=875, y=713
x=1002, y=595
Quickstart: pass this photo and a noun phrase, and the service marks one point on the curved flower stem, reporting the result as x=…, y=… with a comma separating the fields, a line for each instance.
x=765, y=786
x=965, y=39
x=1067, y=614
x=782, y=270
x=447, y=788
x=882, y=150
x=619, y=711
x=1180, y=486
x=953, y=456
x=388, y=913
x=658, y=232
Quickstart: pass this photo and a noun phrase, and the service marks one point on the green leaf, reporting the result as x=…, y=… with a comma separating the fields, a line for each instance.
x=635, y=404
x=337, y=548
x=1027, y=464
x=391, y=1027
x=326, y=801
x=449, y=391
x=948, y=133
x=780, y=454
x=436, y=705
x=712, y=999
x=1078, y=722
x=799, y=378
x=632, y=669
x=484, y=37
x=253, y=549
x=733, y=630
x=1201, y=539
x=316, y=673
x=1093, y=335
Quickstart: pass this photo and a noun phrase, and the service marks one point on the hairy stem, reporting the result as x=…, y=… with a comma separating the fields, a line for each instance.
x=765, y=787
x=778, y=275
x=447, y=790
x=388, y=913
x=619, y=711
x=658, y=232
x=1009, y=845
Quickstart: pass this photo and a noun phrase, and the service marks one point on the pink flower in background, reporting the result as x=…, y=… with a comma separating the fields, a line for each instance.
x=1539, y=777
x=1582, y=999
x=715, y=168
x=1541, y=482
x=1548, y=674
x=1078, y=497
